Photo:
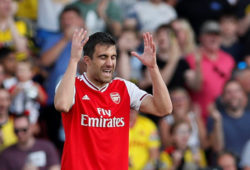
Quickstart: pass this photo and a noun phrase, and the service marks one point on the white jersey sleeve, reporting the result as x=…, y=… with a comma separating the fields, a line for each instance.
x=136, y=95
x=73, y=100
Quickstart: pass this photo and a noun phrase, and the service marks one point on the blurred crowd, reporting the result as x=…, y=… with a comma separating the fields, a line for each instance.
x=203, y=52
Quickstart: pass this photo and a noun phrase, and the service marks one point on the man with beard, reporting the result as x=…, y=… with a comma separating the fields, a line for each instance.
x=228, y=127
x=96, y=106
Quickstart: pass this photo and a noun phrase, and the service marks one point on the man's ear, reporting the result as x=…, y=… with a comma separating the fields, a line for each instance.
x=86, y=59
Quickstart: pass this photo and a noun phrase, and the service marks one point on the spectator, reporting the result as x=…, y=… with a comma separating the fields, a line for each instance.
x=129, y=67
x=245, y=161
x=8, y=59
x=243, y=77
x=228, y=127
x=27, y=95
x=179, y=155
x=100, y=15
x=56, y=52
x=158, y=13
x=197, y=11
x=171, y=65
x=244, y=22
x=144, y=143
x=47, y=18
x=230, y=41
x=7, y=135
x=2, y=76
x=227, y=161
x=244, y=16
x=246, y=60
x=55, y=57
x=27, y=9
x=125, y=5
x=210, y=57
x=183, y=109
x=185, y=36
x=12, y=33
x=28, y=153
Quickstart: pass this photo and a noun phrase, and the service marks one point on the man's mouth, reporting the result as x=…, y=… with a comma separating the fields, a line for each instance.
x=107, y=72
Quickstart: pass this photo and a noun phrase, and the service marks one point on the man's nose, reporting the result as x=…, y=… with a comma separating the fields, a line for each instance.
x=109, y=61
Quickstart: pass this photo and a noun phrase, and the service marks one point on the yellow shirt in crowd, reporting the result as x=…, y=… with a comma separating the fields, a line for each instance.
x=166, y=161
x=27, y=9
x=142, y=136
x=6, y=37
x=8, y=135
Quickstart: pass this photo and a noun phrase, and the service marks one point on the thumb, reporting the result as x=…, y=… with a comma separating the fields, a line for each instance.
x=136, y=55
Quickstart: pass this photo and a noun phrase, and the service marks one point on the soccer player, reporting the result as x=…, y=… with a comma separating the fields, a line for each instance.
x=96, y=106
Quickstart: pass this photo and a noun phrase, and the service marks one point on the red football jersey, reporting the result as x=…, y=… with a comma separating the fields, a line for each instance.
x=97, y=125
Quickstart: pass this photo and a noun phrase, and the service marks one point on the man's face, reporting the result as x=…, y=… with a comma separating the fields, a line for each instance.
x=162, y=40
x=4, y=101
x=101, y=67
x=227, y=162
x=71, y=20
x=211, y=41
x=1, y=74
x=5, y=8
x=22, y=129
x=10, y=63
x=181, y=135
x=23, y=72
x=233, y=96
x=181, y=103
x=229, y=26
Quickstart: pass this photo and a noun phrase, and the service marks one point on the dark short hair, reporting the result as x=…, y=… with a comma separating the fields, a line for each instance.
x=70, y=8
x=23, y=115
x=4, y=52
x=166, y=27
x=101, y=38
x=176, y=125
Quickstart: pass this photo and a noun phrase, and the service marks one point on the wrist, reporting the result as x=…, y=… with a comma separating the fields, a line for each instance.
x=74, y=61
x=154, y=67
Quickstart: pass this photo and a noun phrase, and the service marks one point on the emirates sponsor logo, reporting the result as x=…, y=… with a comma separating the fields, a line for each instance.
x=101, y=121
x=115, y=97
x=104, y=121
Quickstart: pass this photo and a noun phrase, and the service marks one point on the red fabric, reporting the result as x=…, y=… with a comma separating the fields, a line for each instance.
x=92, y=148
x=214, y=73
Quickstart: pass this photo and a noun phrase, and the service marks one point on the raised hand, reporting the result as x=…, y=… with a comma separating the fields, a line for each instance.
x=148, y=58
x=78, y=41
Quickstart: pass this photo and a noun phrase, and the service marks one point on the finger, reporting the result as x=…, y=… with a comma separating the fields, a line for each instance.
x=75, y=34
x=136, y=55
x=145, y=39
x=83, y=35
x=150, y=41
x=82, y=32
x=85, y=41
x=154, y=47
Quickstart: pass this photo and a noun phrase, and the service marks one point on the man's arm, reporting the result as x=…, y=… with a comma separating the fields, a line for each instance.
x=159, y=103
x=50, y=56
x=216, y=137
x=65, y=92
x=194, y=77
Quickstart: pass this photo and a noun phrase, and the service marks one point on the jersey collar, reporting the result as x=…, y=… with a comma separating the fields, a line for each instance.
x=92, y=85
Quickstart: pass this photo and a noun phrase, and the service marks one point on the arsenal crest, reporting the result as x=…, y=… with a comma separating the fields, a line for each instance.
x=115, y=97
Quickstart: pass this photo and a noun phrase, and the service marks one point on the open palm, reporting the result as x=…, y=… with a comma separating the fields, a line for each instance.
x=78, y=41
x=148, y=58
